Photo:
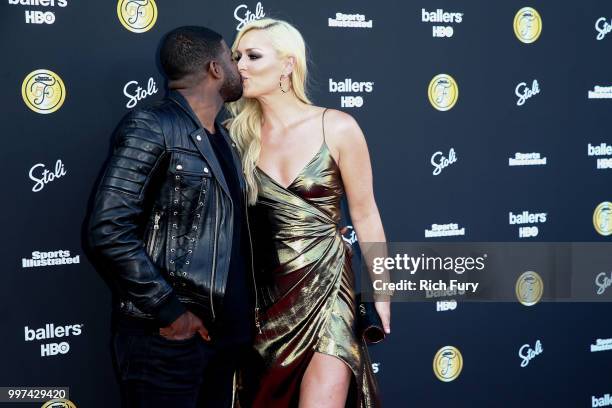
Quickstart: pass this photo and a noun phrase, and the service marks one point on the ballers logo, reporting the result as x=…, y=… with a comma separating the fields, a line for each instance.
x=59, y=403
x=443, y=92
x=447, y=363
x=602, y=218
x=603, y=152
x=529, y=288
x=349, y=85
x=51, y=331
x=527, y=25
x=43, y=91
x=138, y=16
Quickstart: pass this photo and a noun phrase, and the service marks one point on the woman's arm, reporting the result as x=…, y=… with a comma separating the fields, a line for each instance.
x=348, y=146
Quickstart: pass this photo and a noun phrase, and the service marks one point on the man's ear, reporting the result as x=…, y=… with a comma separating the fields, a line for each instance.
x=215, y=70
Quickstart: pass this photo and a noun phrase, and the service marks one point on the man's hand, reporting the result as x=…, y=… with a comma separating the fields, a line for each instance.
x=185, y=327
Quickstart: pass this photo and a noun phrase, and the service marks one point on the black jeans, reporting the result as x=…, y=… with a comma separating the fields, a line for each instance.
x=157, y=372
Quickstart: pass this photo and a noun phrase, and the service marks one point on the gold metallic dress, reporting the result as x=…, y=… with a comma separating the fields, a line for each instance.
x=305, y=284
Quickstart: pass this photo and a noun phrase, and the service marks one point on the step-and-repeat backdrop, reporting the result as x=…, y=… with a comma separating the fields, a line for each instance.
x=486, y=121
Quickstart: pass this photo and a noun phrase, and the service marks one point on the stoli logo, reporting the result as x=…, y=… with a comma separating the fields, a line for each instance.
x=45, y=176
x=247, y=16
x=135, y=93
x=440, y=162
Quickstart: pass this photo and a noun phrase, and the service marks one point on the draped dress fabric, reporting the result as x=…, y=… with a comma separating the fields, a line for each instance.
x=305, y=283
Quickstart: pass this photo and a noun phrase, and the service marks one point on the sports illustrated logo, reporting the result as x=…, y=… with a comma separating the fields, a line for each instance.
x=50, y=331
x=42, y=176
x=43, y=91
x=443, y=92
x=523, y=92
x=349, y=21
x=440, y=16
x=526, y=353
x=38, y=16
x=444, y=230
x=447, y=363
x=601, y=345
x=51, y=258
x=601, y=92
x=135, y=93
x=602, y=27
x=602, y=218
x=244, y=16
x=527, y=159
x=137, y=16
x=529, y=288
x=527, y=25
x=527, y=218
x=603, y=282
x=439, y=162
x=350, y=86
x=446, y=305
x=604, y=401
x=603, y=149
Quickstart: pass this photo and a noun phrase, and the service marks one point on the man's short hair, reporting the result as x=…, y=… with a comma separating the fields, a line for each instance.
x=188, y=50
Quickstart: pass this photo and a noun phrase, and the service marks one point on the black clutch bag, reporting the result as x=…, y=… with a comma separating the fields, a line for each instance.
x=369, y=325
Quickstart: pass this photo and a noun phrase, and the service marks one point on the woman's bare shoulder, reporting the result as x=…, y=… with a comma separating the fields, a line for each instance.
x=341, y=126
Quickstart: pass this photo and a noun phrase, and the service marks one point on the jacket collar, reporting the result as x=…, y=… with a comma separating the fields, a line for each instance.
x=203, y=145
x=200, y=140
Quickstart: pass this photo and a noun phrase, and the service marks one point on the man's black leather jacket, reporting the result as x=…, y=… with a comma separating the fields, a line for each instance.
x=162, y=217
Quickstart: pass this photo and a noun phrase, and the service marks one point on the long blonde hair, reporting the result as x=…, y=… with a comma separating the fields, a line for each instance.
x=246, y=114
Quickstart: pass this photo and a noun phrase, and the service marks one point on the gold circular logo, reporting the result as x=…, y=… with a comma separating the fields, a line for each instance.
x=602, y=218
x=448, y=363
x=443, y=92
x=43, y=91
x=529, y=288
x=527, y=25
x=59, y=403
x=137, y=16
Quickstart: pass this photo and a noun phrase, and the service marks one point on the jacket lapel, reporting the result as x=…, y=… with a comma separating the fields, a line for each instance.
x=199, y=137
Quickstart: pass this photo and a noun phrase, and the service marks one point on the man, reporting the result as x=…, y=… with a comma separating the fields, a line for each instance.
x=169, y=225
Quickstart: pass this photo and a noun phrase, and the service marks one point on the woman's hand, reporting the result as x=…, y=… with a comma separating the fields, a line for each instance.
x=384, y=311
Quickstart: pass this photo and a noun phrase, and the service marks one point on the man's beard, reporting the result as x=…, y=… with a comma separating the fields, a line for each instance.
x=231, y=90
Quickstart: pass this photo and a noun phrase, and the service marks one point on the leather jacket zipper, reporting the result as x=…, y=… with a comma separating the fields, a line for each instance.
x=214, y=260
x=151, y=246
x=246, y=211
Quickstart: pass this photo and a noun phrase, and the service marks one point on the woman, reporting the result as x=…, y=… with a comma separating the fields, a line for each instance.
x=299, y=159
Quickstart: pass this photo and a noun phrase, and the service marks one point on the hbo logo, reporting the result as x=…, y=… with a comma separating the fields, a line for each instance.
x=53, y=349
x=442, y=31
x=526, y=232
x=443, y=305
x=39, y=17
x=351, y=102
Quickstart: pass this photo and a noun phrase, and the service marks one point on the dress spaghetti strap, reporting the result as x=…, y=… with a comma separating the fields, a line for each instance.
x=323, y=123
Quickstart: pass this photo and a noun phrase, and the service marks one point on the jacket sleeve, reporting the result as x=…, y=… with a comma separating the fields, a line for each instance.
x=114, y=230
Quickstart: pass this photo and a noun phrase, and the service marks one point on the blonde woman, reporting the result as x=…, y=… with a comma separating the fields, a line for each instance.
x=299, y=160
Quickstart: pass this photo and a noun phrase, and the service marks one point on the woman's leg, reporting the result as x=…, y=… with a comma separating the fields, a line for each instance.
x=325, y=383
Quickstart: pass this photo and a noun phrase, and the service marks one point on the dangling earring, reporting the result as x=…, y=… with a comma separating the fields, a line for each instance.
x=280, y=83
